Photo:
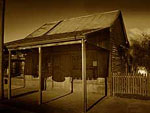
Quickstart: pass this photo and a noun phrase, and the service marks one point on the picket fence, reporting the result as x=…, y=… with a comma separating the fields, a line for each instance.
x=134, y=84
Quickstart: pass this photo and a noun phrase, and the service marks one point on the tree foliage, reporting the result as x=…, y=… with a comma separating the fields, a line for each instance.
x=140, y=52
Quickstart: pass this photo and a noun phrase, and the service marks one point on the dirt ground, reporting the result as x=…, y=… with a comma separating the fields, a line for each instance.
x=59, y=100
x=71, y=103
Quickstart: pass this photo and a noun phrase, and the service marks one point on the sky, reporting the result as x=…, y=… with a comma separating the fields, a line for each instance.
x=22, y=17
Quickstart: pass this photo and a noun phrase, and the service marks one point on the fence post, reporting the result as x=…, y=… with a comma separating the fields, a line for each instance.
x=140, y=85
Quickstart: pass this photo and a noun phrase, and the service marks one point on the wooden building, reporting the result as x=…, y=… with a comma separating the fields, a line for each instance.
x=86, y=47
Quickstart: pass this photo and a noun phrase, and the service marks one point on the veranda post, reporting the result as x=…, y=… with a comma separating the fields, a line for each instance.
x=2, y=15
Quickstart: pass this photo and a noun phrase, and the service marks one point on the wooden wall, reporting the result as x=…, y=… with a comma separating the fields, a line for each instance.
x=100, y=38
x=65, y=61
x=31, y=62
x=117, y=38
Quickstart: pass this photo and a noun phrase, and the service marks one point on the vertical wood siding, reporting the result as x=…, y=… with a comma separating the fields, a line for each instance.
x=66, y=61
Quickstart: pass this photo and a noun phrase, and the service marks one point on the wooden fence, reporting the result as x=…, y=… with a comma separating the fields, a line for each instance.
x=131, y=84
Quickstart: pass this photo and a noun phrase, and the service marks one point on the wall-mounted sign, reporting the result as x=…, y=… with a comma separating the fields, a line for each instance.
x=94, y=63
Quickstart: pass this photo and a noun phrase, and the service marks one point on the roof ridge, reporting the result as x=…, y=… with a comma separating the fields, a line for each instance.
x=93, y=14
x=85, y=16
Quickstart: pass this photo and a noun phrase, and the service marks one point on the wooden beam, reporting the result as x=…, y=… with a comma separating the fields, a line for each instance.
x=9, y=75
x=2, y=18
x=84, y=76
x=40, y=75
x=52, y=84
x=72, y=85
x=24, y=78
x=47, y=45
x=109, y=83
x=106, y=88
x=45, y=84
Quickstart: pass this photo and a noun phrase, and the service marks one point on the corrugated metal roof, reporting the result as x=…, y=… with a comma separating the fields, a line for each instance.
x=43, y=30
x=67, y=28
x=96, y=21
x=89, y=22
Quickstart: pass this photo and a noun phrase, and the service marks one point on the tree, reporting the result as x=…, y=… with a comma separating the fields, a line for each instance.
x=140, y=52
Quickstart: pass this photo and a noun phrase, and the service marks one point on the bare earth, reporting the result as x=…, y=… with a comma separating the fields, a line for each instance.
x=59, y=100
x=71, y=103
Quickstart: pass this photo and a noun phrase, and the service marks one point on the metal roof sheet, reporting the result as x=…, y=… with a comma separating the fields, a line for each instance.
x=42, y=30
x=67, y=28
x=89, y=22
x=96, y=21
